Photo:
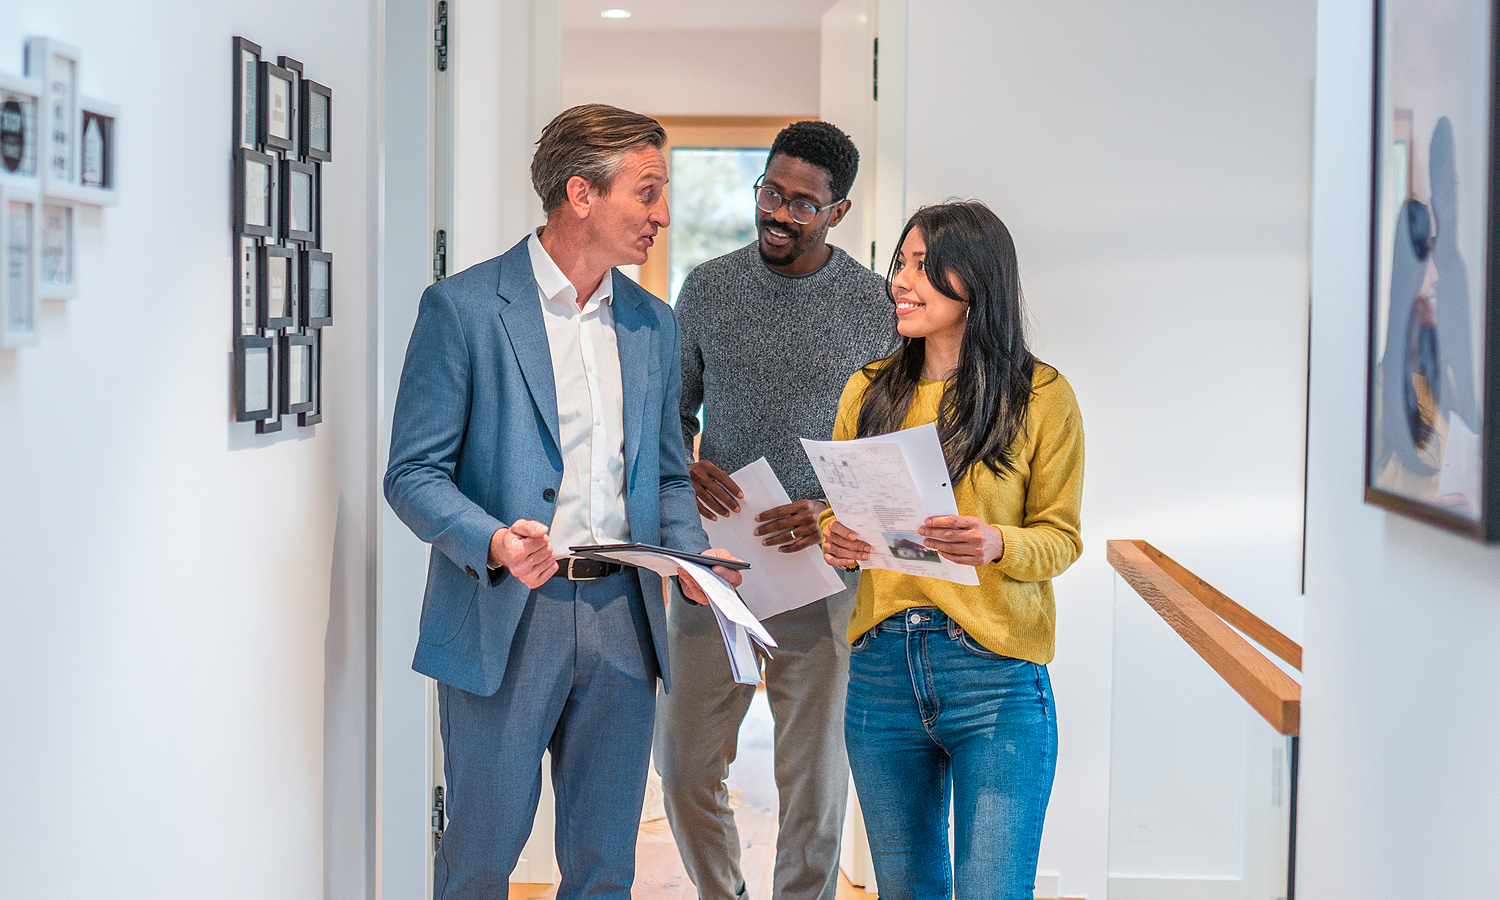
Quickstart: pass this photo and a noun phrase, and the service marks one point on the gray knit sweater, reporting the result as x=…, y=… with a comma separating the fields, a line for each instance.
x=767, y=356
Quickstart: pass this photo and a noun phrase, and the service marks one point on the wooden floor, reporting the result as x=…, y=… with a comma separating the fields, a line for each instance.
x=659, y=874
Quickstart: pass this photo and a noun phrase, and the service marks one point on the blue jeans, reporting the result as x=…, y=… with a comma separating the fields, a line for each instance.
x=930, y=712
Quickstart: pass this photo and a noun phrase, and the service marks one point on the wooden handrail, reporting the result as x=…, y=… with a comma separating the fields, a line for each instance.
x=1176, y=595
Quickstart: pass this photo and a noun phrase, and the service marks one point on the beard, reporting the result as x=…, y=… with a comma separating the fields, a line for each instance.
x=802, y=241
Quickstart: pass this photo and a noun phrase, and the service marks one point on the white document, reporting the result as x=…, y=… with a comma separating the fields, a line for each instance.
x=776, y=581
x=883, y=488
x=736, y=623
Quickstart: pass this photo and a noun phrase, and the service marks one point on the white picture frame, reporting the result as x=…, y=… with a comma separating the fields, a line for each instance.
x=98, y=160
x=20, y=233
x=20, y=130
x=56, y=65
x=57, y=251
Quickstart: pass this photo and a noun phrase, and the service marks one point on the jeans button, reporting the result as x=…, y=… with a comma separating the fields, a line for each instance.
x=914, y=619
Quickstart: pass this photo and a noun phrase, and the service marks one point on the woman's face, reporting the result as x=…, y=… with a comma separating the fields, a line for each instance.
x=921, y=311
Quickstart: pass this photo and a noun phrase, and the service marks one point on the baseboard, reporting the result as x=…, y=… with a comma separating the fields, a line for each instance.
x=1156, y=887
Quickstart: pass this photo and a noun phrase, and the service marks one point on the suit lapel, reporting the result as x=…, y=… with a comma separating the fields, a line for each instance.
x=521, y=314
x=633, y=336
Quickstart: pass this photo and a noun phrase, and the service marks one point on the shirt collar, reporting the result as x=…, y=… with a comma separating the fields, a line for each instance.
x=555, y=286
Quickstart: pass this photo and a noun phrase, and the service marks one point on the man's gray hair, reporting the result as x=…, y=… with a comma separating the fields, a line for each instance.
x=589, y=141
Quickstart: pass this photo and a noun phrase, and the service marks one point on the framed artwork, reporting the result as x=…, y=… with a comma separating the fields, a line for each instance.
x=296, y=373
x=295, y=67
x=55, y=256
x=255, y=176
x=299, y=200
x=315, y=415
x=55, y=65
x=246, y=120
x=1432, y=438
x=99, y=130
x=271, y=423
x=20, y=129
x=277, y=86
x=278, y=279
x=20, y=232
x=317, y=118
x=317, y=289
x=249, y=306
x=254, y=357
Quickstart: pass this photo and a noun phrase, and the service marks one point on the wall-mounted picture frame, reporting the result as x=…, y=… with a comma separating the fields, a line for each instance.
x=317, y=121
x=246, y=122
x=20, y=232
x=317, y=289
x=295, y=67
x=299, y=201
x=277, y=106
x=255, y=193
x=55, y=65
x=315, y=415
x=1432, y=438
x=249, y=306
x=56, y=260
x=254, y=358
x=296, y=373
x=98, y=168
x=20, y=130
x=278, y=286
x=272, y=423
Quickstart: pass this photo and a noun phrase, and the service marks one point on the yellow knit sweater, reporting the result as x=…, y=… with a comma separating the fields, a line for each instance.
x=1011, y=612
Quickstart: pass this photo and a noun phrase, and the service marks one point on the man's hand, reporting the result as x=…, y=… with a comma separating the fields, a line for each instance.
x=963, y=539
x=718, y=495
x=791, y=527
x=525, y=550
x=842, y=547
x=690, y=588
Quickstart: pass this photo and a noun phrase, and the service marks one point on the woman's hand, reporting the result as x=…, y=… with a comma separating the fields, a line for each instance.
x=842, y=547
x=963, y=539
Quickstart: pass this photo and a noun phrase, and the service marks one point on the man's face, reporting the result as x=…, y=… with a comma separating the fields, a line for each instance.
x=782, y=241
x=622, y=224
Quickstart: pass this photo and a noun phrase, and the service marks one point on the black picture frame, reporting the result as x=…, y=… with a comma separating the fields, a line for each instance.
x=272, y=423
x=315, y=415
x=253, y=377
x=246, y=123
x=278, y=107
x=278, y=286
x=295, y=67
x=299, y=201
x=258, y=174
x=1432, y=399
x=296, y=373
x=316, y=121
x=316, y=288
x=249, y=303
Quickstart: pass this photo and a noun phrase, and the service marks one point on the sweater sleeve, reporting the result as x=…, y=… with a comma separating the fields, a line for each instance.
x=1049, y=539
x=692, y=363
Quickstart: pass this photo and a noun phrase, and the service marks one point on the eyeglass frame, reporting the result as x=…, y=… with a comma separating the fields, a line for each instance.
x=760, y=185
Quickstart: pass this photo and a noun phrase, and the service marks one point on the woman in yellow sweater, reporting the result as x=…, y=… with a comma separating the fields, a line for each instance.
x=948, y=686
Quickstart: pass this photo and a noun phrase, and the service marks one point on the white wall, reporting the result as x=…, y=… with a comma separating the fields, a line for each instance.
x=1152, y=162
x=184, y=606
x=1400, y=793
x=694, y=73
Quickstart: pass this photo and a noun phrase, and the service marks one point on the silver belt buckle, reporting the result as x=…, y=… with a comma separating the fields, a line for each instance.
x=568, y=569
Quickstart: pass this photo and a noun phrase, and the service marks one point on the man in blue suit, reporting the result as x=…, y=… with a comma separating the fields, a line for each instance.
x=538, y=411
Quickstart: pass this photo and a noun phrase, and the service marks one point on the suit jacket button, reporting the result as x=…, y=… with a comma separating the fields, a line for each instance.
x=549, y=494
x=472, y=574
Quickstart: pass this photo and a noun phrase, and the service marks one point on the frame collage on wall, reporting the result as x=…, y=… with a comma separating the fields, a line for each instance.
x=58, y=151
x=283, y=278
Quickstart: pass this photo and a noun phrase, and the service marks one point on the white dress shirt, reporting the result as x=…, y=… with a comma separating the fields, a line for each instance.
x=590, y=407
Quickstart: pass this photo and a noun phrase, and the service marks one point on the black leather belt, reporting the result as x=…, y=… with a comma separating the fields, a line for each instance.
x=577, y=568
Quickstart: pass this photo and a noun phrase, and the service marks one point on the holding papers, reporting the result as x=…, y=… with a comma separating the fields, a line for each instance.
x=777, y=581
x=884, y=488
x=736, y=623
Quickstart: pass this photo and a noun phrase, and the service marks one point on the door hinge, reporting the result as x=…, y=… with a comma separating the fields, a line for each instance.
x=440, y=35
x=439, y=819
x=440, y=255
x=875, y=72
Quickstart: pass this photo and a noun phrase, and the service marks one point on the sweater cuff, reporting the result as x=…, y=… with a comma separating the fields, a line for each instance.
x=1017, y=556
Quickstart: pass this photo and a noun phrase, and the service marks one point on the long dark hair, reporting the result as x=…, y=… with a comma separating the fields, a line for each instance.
x=972, y=259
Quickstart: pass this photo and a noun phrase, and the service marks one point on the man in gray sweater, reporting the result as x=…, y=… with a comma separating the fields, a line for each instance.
x=770, y=334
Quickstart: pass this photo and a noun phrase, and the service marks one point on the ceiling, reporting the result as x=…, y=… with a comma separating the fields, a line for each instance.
x=695, y=15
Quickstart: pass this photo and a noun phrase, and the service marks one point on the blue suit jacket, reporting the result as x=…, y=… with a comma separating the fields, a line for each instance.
x=474, y=447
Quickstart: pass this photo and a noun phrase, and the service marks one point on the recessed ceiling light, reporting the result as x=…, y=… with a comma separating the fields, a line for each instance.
x=616, y=12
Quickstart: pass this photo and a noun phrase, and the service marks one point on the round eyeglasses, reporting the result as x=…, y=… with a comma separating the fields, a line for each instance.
x=768, y=200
